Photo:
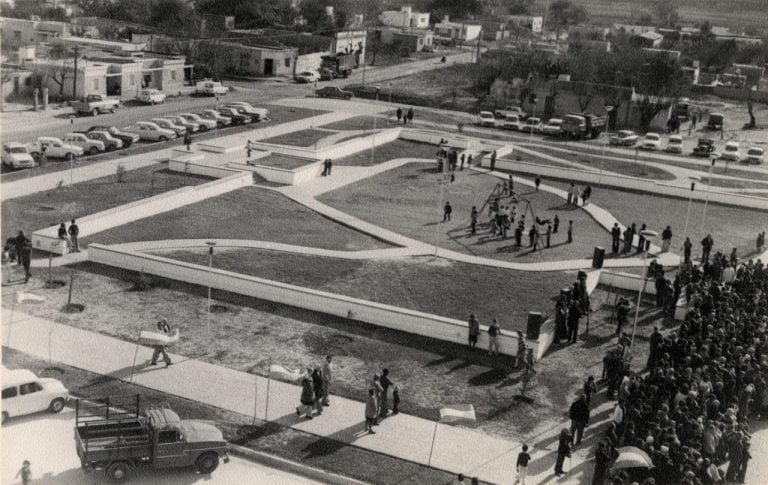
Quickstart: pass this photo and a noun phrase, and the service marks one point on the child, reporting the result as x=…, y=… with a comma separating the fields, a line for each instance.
x=25, y=472
x=522, y=465
x=395, y=399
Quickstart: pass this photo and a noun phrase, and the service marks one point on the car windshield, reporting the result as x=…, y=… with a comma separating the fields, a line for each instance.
x=755, y=151
x=652, y=136
x=17, y=150
x=731, y=148
x=675, y=141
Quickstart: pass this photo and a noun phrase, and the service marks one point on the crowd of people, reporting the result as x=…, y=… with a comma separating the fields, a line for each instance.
x=705, y=382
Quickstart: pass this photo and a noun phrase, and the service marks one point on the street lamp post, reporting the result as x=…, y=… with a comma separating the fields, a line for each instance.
x=693, y=179
x=714, y=156
x=210, y=244
x=390, y=100
x=373, y=137
x=608, y=109
x=647, y=235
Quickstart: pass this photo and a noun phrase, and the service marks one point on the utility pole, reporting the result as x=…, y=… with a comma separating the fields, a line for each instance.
x=479, y=39
x=74, y=81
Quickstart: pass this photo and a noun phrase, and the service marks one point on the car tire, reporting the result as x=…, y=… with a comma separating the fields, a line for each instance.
x=118, y=471
x=95, y=112
x=70, y=156
x=56, y=405
x=5, y=417
x=207, y=463
x=347, y=97
x=163, y=138
x=93, y=151
x=112, y=110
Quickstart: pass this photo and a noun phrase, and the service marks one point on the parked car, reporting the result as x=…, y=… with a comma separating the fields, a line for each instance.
x=128, y=139
x=95, y=104
x=487, y=119
x=218, y=118
x=152, y=96
x=117, y=440
x=54, y=148
x=510, y=110
x=731, y=152
x=191, y=127
x=513, y=122
x=715, y=121
x=704, y=147
x=651, y=141
x=89, y=145
x=307, y=77
x=16, y=155
x=210, y=88
x=531, y=125
x=169, y=125
x=204, y=124
x=256, y=114
x=625, y=138
x=755, y=155
x=25, y=393
x=552, y=127
x=675, y=144
x=235, y=117
x=110, y=142
x=151, y=131
x=333, y=92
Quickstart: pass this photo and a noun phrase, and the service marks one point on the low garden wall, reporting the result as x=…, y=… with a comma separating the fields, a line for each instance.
x=284, y=176
x=192, y=168
x=632, y=282
x=337, y=150
x=432, y=326
x=47, y=239
x=631, y=183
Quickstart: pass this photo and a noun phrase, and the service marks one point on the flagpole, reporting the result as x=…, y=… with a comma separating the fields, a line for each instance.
x=432, y=448
x=135, y=354
x=439, y=204
x=269, y=379
x=255, y=398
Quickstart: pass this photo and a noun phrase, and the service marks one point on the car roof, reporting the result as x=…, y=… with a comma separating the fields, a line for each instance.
x=13, y=144
x=652, y=135
x=732, y=143
x=18, y=376
x=626, y=132
x=756, y=149
x=554, y=120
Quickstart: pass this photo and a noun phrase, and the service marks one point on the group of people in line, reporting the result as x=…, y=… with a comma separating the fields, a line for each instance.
x=574, y=193
x=572, y=305
x=70, y=235
x=406, y=116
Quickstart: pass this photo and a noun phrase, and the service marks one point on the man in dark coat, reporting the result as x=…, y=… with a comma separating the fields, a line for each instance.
x=579, y=414
x=574, y=314
x=615, y=238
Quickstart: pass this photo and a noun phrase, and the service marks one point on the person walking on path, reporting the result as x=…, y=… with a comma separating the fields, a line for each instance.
x=579, y=414
x=615, y=238
x=473, y=220
x=74, y=232
x=378, y=391
x=563, y=451
x=25, y=472
x=25, y=259
x=687, y=247
x=248, y=150
x=307, y=398
x=555, y=224
x=537, y=182
x=570, y=231
x=317, y=387
x=399, y=114
x=385, y=385
x=493, y=160
x=187, y=140
x=164, y=327
x=523, y=458
x=590, y=388
x=474, y=330
x=666, y=239
x=327, y=375
x=371, y=411
x=549, y=234
x=447, y=209
x=706, y=247
x=493, y=337
x=410, y=115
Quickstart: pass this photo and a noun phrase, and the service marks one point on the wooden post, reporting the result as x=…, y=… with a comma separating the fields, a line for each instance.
x=50, y=268
x=432, y=447
x=69, y=297
x=269, y=379
x=255, y=398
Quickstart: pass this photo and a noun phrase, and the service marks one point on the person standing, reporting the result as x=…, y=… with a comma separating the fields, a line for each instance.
x=164, y=327
x=493, y=337
x=535, y=242
x=590, y=388
x=615, y=238
x=327, y=375
x=187, y=139
x=570, y=231
x=687, y=247
x=307, y=398
x=586, y=194
x=571, y=190
x=493, y=160
x=706, y=248
x=522, y=349
x=410, y=115
x=63, y=232
x=474, y=330
x=25, y=472
x=523, y=458
x=602, y=461
x=563, y=451
x=579, y=414
x=378, y=391
x=385, y=385
x=463, y=156
x=555, y=224
x=330, y=166
x=469, y=160
x=574, y=314
x=248, y=150
x=25, y=259
x=627, y=240
x=537, y=182
x=447, y=209
x=317, y=387
x=549, y=234
x=473, y=220
x=399, y=114
x=371, y=411
x=666, y=239
x=74, y=232
x=641, y=239
x=18, y=243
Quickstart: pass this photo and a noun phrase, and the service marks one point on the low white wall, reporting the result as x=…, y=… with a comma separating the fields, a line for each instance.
x=337, y=150
x=432, y=326
x=118, y=216
x=623, y=182
x=190, y=167
x=626, y=281
x=434, y=137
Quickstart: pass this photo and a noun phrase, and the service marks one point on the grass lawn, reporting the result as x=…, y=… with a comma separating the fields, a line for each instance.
x=360, y=123
x=283, y=161
x=246, y=213
x=267, y=437
x=409, y=200
x=389, y=151
x=252, y=332
x=733, y=183
x=730, y=226
x=631, y=169
x=448, y=87
x=43, y=209
x=427, y=284
x=303, y=138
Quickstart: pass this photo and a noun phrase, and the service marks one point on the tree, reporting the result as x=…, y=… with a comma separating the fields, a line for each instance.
x=174, y=17
x=455, y=9
x=666, y=13
x=563, y=14
x=662, y=82
x=520, y=7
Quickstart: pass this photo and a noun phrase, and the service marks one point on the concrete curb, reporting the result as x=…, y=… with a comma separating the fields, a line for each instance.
x=292, y=467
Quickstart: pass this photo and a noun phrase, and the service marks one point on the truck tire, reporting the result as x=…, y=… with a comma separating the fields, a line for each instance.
x=95, y=112
x=56, y=405
x=207, y=463
x=117, y=472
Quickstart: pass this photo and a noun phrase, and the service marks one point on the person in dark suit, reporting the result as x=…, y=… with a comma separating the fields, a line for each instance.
x=615, y=238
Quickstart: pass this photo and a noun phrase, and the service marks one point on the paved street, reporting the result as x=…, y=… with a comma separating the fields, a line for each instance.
x=46, y=441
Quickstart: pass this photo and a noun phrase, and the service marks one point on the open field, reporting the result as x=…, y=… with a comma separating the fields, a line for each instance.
x=409, y=200
x=730, y=226
x=389, y=151
x=247, y=213
x=427, y=284
x=43, y=209
x=447, y=87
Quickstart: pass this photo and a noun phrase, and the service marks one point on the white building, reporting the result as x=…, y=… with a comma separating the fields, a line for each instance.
x=532, y=23
x=405, y=18
x=457, y=31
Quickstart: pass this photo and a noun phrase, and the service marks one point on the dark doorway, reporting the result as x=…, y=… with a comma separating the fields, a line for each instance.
x=269, y=67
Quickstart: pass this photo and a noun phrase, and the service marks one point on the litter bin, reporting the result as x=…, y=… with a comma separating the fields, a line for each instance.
x=598, y=257
x=534, y=326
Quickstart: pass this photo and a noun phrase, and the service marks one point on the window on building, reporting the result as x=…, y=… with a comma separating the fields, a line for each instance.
x=245, y=59
x=287, y=62
x=28, y=81
x=132, y=80
x=420, y=41
x=17, y=34
x=173, y=75
x=96, y=84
